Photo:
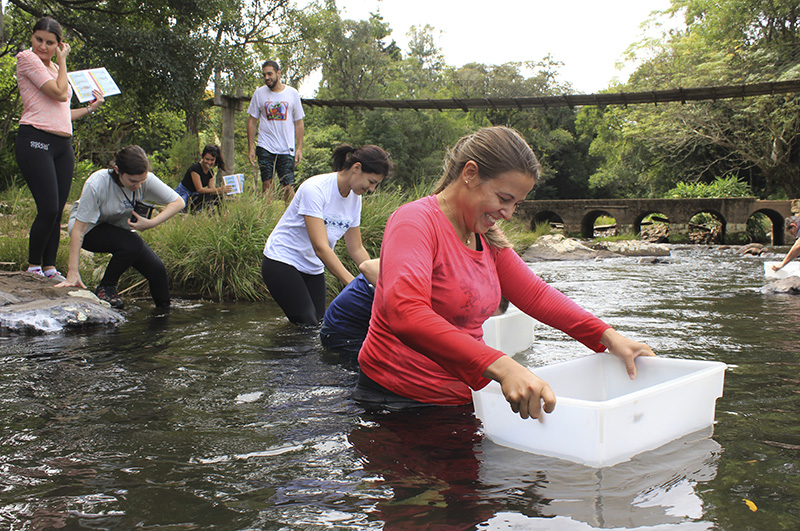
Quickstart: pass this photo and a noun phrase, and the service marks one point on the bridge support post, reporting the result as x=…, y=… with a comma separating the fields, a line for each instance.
x=230, y=106
x=735, y=233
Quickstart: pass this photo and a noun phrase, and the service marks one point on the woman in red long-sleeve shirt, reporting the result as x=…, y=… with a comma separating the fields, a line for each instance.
x=444, y=265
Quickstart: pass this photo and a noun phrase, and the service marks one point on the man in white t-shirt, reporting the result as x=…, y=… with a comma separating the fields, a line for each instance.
x=276, y=112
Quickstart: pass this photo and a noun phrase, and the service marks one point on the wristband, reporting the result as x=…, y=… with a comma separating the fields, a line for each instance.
x=89, y=110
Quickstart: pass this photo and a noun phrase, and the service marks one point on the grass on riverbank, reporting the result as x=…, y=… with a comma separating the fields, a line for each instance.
x=215, y=254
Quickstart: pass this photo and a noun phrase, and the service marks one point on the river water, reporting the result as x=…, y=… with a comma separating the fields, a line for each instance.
x=224, y=416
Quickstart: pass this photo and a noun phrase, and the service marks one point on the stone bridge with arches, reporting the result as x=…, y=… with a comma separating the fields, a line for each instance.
x=579, y=215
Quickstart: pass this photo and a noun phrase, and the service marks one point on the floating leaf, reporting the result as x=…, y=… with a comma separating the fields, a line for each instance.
x=751, y=505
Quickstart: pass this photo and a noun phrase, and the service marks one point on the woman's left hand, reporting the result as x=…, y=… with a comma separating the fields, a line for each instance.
x=141, y=223
x=97, y=101
x=626, y=349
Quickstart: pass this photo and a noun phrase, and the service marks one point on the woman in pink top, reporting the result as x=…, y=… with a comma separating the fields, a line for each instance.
x=44, y=139
x=443, y=268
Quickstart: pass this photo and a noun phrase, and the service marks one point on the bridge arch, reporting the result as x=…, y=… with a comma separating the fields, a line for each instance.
x=778, y=232
x=655, y=217
x=589, y=219
x=717, y=216
x=545, y=216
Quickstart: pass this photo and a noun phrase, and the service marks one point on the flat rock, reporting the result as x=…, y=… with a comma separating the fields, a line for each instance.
x=557, y=247
x=790, y=285
x=32, y=304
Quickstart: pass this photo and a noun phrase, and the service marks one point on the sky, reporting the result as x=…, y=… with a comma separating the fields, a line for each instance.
x=588, y=36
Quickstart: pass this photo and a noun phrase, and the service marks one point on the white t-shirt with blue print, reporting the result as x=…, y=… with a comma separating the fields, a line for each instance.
x=317, y=197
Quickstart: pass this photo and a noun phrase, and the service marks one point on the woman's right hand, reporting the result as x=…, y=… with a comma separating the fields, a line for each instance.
x=73, y=281
x=522, y=389
x=62, y=51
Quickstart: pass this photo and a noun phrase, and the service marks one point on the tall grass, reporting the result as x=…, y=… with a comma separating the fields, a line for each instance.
x=217, y=253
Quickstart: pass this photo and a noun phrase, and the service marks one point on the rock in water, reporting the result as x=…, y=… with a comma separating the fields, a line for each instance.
x=32, y=304
x=790, y=285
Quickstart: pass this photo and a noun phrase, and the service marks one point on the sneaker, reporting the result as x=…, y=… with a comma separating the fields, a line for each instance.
x=36, y=271
x=54, y=274
x=110, y=295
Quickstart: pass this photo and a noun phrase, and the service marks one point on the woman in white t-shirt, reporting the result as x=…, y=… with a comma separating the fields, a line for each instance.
x=107, y=217
x=325, y=208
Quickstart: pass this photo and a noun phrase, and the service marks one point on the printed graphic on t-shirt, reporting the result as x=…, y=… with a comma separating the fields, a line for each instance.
x=336, y=227
x=277, y=110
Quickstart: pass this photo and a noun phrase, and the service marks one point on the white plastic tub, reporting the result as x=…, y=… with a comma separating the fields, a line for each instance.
x=602, y=417
x=510, y=332
x=792, y=269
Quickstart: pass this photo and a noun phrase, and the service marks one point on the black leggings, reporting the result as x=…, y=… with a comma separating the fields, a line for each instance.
x=128, y=249
x=300, y=296
x=47, y=163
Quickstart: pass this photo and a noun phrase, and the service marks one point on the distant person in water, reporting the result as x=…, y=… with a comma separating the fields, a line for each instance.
x=346, y=320
x=791, y=225
x=197, y=188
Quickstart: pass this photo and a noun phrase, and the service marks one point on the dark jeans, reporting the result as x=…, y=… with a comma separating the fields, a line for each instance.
x=128, y=249
x=300, y=296
x=47, y=163
x=339, y=342
x=270, y=163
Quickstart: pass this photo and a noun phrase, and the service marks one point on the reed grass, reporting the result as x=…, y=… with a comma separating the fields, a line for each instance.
x=217, y=253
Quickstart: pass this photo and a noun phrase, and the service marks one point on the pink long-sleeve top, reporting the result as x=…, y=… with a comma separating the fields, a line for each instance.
x=38, y=109
x=425, y=338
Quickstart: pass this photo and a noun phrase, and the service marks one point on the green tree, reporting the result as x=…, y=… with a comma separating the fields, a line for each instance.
x=650, y=149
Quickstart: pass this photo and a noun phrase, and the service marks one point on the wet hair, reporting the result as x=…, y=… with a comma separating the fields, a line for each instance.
x=131, y=160
x=372, y=158
x=496, y=150
x=791, y=220
x=274, y=64
x=213, y=149
x=50, y=25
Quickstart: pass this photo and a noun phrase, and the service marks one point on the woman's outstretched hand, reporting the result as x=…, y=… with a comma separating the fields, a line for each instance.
x=527, y=393
x=626, y=349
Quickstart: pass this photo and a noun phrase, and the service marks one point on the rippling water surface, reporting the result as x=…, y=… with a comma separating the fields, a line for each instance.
x=223, y=416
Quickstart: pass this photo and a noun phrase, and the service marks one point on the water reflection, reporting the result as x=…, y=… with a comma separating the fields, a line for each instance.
x=426, y=463
x=653, y=488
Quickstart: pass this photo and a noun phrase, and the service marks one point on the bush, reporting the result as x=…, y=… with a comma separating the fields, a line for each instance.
x=729, y=186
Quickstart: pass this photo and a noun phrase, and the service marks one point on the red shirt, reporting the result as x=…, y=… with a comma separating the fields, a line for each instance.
x=425, y=338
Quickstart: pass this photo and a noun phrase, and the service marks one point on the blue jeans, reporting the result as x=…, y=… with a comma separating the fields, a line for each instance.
x=270, y=163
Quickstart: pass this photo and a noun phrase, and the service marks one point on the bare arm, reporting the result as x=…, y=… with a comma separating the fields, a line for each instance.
x=252, y=125
x=299, y=131
x=319, y=241
x=170, y=210
x=793, y=253
x=355, y=247
x=370, y=269
x=80, y=112
x=79, y=230
x=210, y=189
x=58, y=88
